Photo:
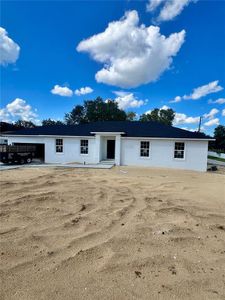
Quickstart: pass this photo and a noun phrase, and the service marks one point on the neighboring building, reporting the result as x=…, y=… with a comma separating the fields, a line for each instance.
x=124, y=143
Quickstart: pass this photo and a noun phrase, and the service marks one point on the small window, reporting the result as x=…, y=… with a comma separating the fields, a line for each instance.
x=179, y=150
x=83, y=146
x=59, y=145
x=144, y=149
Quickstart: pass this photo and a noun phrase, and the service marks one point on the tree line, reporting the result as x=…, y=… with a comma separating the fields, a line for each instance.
x=100, y=110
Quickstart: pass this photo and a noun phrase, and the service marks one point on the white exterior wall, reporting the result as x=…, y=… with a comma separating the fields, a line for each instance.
x=71, y=148
x=162, y=154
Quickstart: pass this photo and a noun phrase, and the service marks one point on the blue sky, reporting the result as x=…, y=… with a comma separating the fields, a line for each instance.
x=45, y=44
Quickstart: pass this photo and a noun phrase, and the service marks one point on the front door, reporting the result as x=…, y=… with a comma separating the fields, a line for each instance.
x=110, y=149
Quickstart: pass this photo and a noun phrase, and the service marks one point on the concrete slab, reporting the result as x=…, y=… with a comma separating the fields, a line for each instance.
x=4, y=167
x=216, y=162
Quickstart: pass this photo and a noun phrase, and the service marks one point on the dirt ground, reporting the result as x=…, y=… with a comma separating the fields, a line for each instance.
x=124, y=233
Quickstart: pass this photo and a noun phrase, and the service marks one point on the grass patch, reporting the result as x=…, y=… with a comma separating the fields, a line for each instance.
x=216, y=158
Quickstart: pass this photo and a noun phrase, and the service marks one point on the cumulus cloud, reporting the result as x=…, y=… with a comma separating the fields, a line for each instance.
x=184, y=119
x=165, y=107
x=83, y=91
x=176, y=99
x=4, y=115
x=62, y=91
x=127, y=100
x=202, y=91
x=153, y=4
x=223, y=112
x=170, y=9
x=9, y=50
x=218, y=101
x=212, y=122
x=211, y=114
x=132, y=54
x=18, y=109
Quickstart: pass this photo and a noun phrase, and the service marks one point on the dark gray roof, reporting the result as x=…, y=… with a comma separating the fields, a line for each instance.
x=130, y=129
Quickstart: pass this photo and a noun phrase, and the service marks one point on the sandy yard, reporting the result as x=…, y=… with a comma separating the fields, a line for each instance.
x=125, y=233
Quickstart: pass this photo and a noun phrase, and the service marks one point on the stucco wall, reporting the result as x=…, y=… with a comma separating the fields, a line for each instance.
x=71, y=149
x=162, y=154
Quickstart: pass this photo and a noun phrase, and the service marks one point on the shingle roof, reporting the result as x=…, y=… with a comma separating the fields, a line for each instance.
x=130, y=129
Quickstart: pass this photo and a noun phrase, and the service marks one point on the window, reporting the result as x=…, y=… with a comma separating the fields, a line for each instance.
x=144, y=149
x=179, y=150
x=83, y=146
x=59, y=145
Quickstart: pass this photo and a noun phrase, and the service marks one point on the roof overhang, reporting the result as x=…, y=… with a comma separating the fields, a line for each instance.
x=107, y=132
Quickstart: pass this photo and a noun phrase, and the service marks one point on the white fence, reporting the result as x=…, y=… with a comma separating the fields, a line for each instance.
x=221, y=155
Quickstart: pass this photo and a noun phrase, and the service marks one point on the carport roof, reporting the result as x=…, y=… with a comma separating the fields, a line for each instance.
x=129, y=128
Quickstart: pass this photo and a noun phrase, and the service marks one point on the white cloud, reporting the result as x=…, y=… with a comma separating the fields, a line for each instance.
x=223, y=112
x=176, y=99
x=128, y=100
x=170, y=9
x=132, y=54
x=18, y=109
x=153, y=4
x=62, y=91
x=165, y=107
x=218, y=101
x=9, y=50
x=212, y=122
x=83, y=91
x=202, y=91
x=148, y=111
x=211, y=114
x=4, y=115
x=184, y=119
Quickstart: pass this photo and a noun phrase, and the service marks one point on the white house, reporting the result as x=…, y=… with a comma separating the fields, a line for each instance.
x=124, y=143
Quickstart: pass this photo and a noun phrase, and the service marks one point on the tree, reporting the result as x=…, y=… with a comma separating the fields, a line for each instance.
x=24, y=124
x=95, y=110
x=131, y=116
x=50, y=122
x=165, y=116
x=4, y=126
x=219, y=135
x=76, y=116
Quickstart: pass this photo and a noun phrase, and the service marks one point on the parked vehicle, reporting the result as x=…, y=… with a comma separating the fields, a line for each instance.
x=17, y=154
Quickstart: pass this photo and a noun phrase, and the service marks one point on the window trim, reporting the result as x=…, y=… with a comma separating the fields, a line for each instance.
x=184, y=151
x=144, y=157
x=56, y=152
x=85, y=154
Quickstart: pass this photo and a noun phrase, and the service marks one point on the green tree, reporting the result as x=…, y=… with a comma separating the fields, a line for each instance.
x=76, y=116
x=24, y=124
x=131, y=116
x=50, y=122
x=219, y=135
x=95, y=110
x=165, y=116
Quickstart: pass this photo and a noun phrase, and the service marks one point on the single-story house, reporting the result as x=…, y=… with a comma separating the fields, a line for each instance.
x=130, y=143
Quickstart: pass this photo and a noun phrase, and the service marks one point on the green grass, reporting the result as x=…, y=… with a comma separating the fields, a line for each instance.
x=216, y=158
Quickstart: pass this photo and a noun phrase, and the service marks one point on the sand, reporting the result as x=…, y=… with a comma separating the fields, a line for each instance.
x=124, y=233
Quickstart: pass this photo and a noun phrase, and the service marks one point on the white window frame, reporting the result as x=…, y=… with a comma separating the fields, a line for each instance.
x=84, y=146
x=59, y=145
x=140, y=148
x=184, y=151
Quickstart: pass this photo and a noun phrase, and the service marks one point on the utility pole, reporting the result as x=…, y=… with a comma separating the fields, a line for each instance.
x=199, y=125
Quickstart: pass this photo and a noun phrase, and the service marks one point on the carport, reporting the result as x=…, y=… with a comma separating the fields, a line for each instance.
x=40, y=150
